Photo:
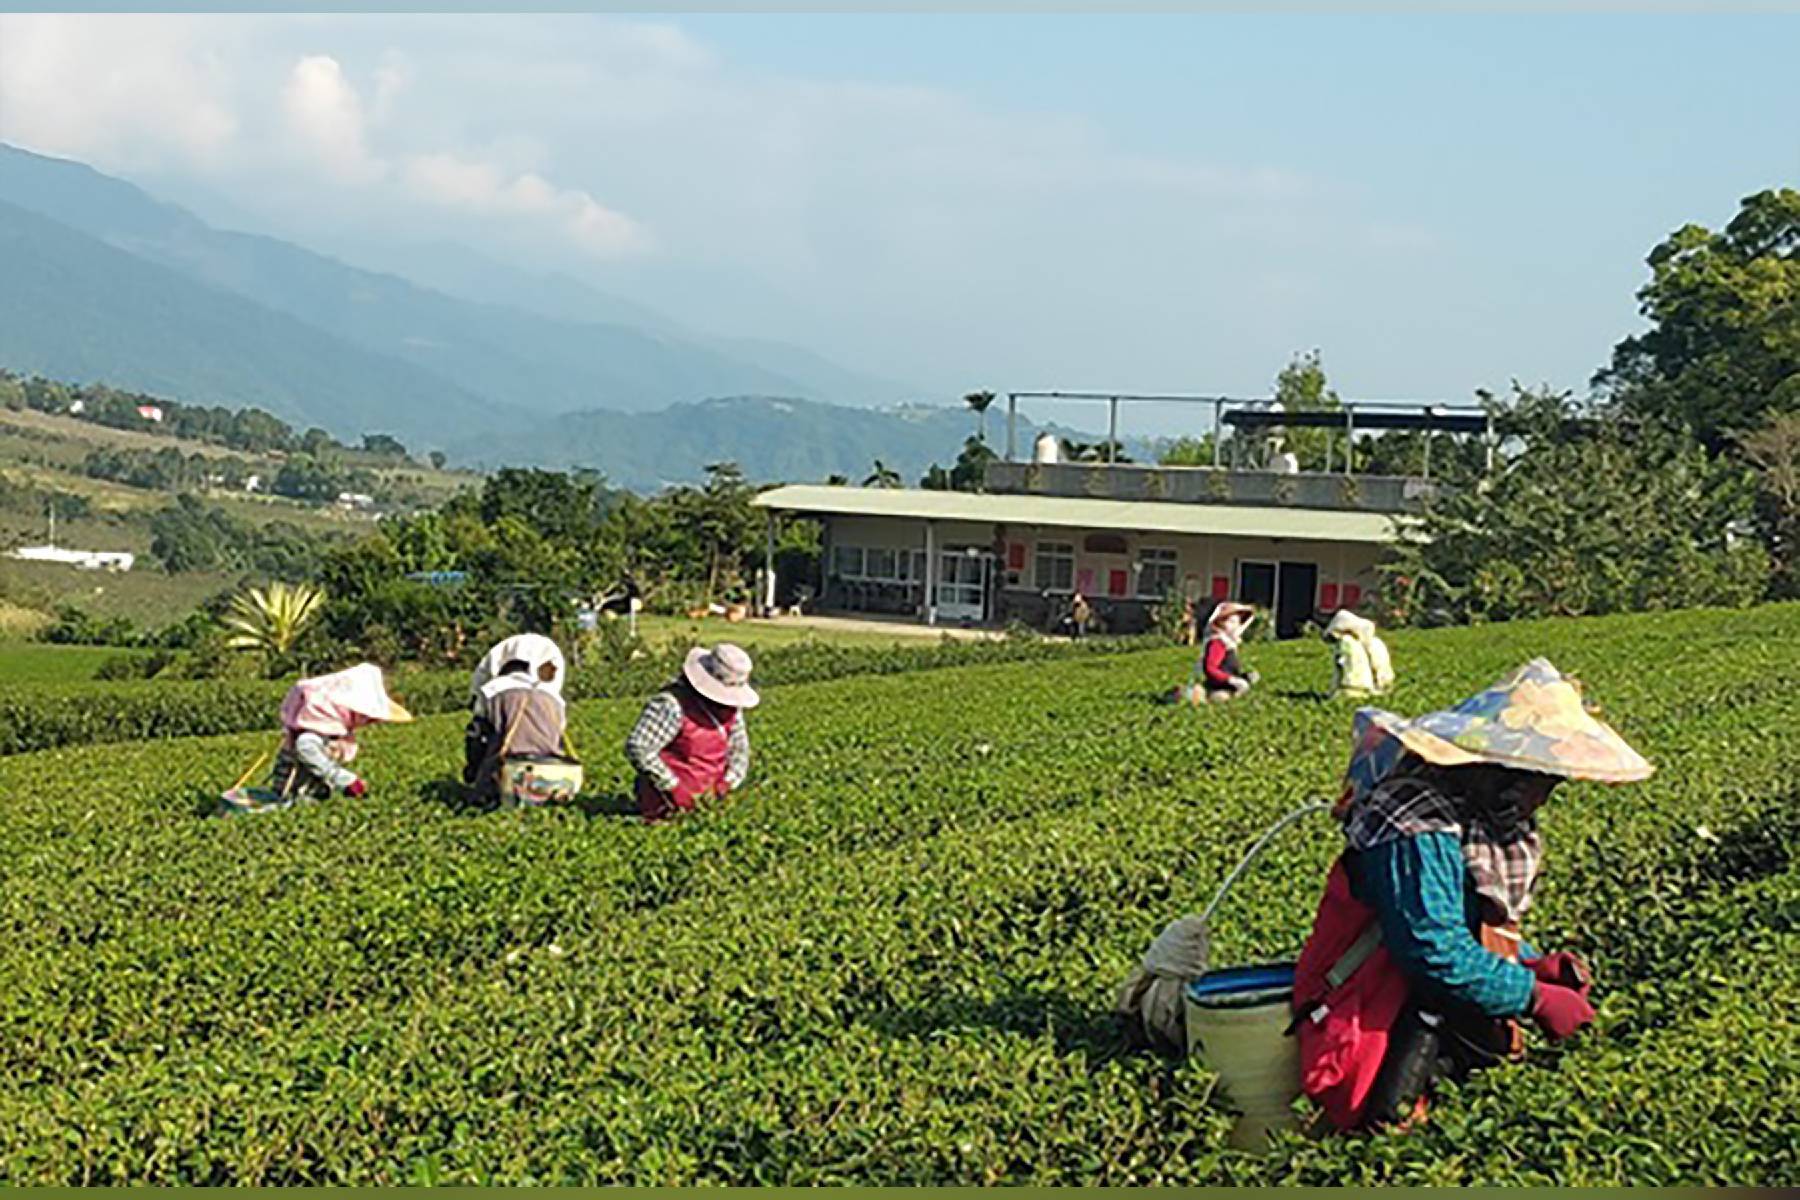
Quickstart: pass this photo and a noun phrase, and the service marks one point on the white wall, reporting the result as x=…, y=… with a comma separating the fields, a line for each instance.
x=1200, y=558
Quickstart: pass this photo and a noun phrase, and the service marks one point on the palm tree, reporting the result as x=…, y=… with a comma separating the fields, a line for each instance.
x=272, y=620
x=980, y=402
x=883, y=476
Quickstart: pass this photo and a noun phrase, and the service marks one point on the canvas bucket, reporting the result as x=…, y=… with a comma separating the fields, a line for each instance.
x=531, y=781
x=1237, y=1022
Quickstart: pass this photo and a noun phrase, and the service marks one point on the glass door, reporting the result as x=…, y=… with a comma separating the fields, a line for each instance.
x=962, y=583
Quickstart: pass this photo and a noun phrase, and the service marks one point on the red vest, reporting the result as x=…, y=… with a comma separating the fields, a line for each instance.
x=1343, y=1031
x=698, y=758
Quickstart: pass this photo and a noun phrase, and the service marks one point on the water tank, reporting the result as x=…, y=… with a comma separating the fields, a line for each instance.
x=1047, y=448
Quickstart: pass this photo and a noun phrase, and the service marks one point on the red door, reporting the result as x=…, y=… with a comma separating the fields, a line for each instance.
x=1115, y=582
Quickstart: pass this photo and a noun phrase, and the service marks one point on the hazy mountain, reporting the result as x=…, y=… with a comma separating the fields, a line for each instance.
x=519, y=358
x=771, y=438
x=467, y=273
x=460, y=271
x=73, y=307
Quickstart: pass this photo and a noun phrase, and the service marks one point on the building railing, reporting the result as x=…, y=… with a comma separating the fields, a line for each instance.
x=1212, y=485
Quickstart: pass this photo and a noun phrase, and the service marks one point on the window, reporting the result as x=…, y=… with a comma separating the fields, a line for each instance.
x=879, y=564
x=847, y=562
x=1159, y=568
x=1105, y=543
x=1054, y=570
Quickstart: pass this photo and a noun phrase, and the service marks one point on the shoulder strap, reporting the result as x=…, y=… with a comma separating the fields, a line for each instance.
x=512, y=727
x=1353, y=958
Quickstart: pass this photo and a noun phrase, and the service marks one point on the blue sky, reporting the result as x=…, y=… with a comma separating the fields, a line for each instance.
x=1438, y=203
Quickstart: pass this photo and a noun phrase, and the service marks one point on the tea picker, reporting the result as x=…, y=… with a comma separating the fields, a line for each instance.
x=1415, y=969
x=516, y=747
x=1361, y=665
x=1219, y=673
x=690, y=744
x=319, y=719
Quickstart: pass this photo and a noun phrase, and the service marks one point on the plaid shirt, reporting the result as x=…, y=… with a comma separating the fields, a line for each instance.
x=1415, y=858
x=1504, y=865
x=657, y=726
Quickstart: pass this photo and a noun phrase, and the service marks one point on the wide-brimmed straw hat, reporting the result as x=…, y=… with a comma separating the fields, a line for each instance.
x=1532, y=720
x=1230, y=608
x=722, y=675
x=335, y=705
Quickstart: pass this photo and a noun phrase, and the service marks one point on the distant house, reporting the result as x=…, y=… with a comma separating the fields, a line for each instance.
x=150, y=412
x=1125, y=536
x=355, y=500
x=77, y=407
x=253, y=483
x=85, y=560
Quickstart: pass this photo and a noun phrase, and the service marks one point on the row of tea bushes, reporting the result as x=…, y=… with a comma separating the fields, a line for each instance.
x=891, y=959
x=45, y=716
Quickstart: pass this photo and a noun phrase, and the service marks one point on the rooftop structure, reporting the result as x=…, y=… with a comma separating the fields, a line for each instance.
x=1128, y=538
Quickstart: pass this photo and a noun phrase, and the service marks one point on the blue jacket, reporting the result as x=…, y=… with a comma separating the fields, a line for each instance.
x=1430, y=922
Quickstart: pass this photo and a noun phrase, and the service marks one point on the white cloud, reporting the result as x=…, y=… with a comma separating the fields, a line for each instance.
x=325, y=113
x=228, y=100
x=483, y=188
x=130, y=90
x=838, y=213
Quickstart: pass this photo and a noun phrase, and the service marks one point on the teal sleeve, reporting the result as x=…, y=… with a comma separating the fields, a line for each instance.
x=1416, y=887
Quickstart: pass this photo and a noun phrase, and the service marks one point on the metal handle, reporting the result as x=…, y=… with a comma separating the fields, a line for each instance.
x=1311, y=806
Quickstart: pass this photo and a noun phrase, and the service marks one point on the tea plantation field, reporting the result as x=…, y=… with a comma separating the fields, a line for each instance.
x=891, y=958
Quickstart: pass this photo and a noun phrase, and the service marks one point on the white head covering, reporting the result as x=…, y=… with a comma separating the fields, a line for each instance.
x=336, y=705
x=532, y=649
x=1345, y=623
x=1226, y=609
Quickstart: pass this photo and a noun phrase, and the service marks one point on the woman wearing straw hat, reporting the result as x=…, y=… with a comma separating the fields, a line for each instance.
x=1415, y=969
x=319, y=720
x=690, y=741
x=1222, y=674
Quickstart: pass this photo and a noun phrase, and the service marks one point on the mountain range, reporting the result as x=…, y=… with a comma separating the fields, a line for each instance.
x=771, y=438
x=442, y=347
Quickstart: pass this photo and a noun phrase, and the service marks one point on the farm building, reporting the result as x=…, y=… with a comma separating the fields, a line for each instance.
x=1125, y=536
x=86, y=560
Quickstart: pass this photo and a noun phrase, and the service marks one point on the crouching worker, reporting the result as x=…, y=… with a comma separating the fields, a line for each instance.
x=1415, y=970
x=1220, y=673
x=516, y=749
x=319, y=720
x=690, y=741
x=516, y=711
x=1360, y=662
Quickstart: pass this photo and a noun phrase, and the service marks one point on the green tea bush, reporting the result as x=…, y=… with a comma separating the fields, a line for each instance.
x=891, y=958
x=43, y=717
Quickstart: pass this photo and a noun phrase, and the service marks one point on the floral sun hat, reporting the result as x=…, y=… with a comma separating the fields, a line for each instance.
x=1532, y=720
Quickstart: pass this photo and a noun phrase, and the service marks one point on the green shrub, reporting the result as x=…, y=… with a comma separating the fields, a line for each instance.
x=891, y=958
x=44, y=717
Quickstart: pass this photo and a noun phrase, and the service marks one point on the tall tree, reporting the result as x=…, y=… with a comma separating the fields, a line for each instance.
x=1723, y=349
x=1611, y=516
x=1774, y=450
x=1185, y=451
x=272, y=620
x=1301, y=387
x=882, y=476
x=969, y=474
x=980, y=402
x=719, y=519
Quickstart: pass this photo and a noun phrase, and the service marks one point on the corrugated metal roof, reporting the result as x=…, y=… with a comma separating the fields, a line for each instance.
x=1149, y=516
